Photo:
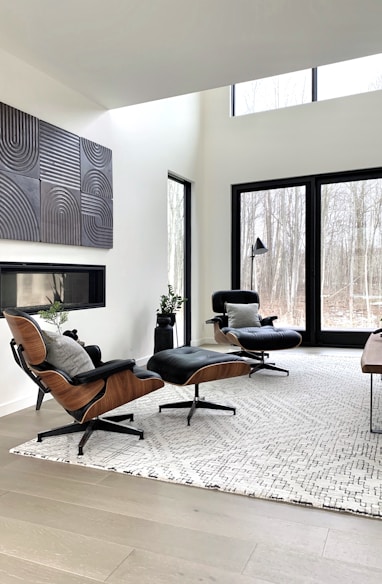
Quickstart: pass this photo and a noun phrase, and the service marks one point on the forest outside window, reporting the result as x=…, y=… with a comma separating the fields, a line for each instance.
x=322, y=274
x=179, y=252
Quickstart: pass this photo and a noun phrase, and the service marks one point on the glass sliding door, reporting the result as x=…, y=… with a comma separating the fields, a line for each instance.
x=322, y=273
x=351, y=253
x=278, y=217
x=178, y=253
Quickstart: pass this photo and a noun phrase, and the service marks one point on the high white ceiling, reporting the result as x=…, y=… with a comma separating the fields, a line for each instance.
x=122, y=52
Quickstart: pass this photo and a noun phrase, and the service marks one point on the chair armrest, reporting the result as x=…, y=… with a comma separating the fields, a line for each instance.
x=94, y=353
x=268, y=320
x=104, y=371
x=218, y=319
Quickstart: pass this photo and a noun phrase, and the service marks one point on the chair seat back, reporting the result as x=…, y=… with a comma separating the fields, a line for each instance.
x=220, y=297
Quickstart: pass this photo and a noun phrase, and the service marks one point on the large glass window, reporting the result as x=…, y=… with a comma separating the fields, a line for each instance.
x=178, y=253
x=277, y=217
x=322, y=273
x=351, y=251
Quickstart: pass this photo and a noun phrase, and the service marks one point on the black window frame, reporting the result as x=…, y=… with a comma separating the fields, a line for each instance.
x=313, y=336
x=187, y=254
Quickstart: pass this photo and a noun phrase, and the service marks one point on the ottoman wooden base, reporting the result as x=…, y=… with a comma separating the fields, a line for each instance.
x=192, y=366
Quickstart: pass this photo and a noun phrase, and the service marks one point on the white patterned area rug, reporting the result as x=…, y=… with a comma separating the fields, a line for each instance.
x=301, y=439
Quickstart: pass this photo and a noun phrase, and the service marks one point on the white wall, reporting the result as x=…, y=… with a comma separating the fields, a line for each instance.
x=334, y=135
x=147, y=141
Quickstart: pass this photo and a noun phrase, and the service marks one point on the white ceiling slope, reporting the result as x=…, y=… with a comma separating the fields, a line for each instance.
x=123, y=52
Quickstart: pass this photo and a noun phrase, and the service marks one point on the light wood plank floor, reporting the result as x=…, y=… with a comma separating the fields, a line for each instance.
x=62, y=524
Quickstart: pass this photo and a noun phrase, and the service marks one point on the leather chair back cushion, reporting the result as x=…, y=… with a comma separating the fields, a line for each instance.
x=220, y=298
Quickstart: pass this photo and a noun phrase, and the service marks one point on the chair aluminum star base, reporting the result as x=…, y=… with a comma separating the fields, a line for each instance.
x=108, y=424
x=197, y=402
x=243, y=353
x=259, y=356
x=266, y=365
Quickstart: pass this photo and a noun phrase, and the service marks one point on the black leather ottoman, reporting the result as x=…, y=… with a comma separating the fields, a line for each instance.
x=192, y=366
x=262, y=339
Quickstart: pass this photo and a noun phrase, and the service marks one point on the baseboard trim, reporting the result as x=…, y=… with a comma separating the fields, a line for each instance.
x=20, y=404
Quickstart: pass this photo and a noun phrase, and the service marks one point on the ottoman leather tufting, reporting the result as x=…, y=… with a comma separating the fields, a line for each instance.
x=193, y=365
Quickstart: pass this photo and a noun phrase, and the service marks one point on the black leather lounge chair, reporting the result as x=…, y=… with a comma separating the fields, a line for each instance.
x=86, y=392
x=239, y=323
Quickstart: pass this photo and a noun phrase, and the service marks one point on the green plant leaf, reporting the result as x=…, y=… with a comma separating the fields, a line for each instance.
x=170, y=302
x=55, y=315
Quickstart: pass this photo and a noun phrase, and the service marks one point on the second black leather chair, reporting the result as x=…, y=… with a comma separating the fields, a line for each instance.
x=239, y=323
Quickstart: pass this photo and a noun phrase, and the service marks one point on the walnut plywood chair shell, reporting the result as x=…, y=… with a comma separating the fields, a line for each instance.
x=85, y=392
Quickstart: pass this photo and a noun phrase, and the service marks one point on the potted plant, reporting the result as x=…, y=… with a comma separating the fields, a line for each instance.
x=169, y=304
x=55, y=315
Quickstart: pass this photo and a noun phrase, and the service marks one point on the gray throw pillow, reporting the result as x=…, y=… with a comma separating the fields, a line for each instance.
x=242, y=315
x=66, y=354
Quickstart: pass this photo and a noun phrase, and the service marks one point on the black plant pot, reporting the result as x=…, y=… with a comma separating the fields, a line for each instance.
x=164, y=333
x=170, y=316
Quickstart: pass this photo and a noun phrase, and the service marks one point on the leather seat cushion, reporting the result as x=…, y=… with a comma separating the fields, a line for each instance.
x=178, y=365
x=265, y=338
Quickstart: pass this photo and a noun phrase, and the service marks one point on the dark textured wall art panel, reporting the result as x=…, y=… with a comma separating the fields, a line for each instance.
x=59, y=156
x=97, y=221
x=60, y=214
x=19, y=207
x=19, y=139
x=96, y=169
x=43, y=171
x=96, y=183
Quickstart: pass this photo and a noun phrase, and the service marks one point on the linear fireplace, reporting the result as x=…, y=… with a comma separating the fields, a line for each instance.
x=34, y=286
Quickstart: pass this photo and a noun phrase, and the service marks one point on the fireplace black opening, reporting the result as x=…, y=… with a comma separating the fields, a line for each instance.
x=33, y=286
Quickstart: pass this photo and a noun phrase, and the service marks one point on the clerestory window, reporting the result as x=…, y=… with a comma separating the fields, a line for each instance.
x=326, y=82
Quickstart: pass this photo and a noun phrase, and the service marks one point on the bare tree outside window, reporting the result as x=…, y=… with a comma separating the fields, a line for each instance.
x=273, y=92
x=350, y=287
x=176, y=251
x=351, y=248
x=277, y=216
x=289, y=89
